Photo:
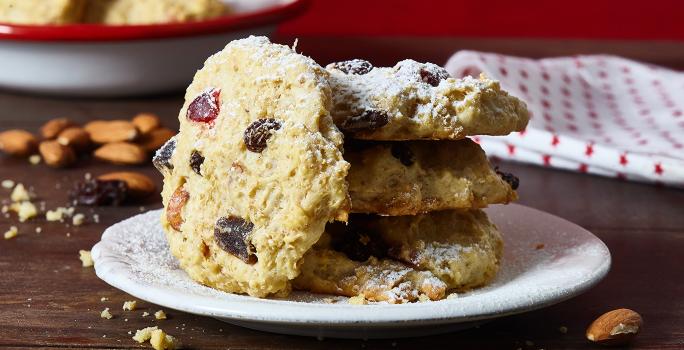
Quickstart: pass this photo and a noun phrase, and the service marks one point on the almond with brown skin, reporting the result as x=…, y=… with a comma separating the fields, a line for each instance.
x=139, y=185
x=617, y=327
x=124, y=153
x=176, y=204
x=53, y=127
x=146, y=122
x=108, y=131
x=155, y=139
x=75, y=137
x=18, y=143
x=56, y=155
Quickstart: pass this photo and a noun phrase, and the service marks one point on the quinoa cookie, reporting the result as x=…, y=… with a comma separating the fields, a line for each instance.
x=122, y=12
x=41, y=11
x=408, y=178
x=256, y=170
x=415, y=100
x=399, y=258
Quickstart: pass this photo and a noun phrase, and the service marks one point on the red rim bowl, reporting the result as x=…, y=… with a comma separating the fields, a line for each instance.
x=99, y=32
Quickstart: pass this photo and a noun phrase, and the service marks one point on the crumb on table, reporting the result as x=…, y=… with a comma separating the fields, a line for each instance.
x=130, y=305
x=157, y=338
x=86, y=258
x=358, y=300
x=12, y=232
x=160, y=315
x=106, y=314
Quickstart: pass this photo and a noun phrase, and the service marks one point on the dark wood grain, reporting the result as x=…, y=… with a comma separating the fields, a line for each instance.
x=47, y=300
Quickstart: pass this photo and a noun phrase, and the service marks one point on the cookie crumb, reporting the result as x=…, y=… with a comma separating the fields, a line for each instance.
x=103, y=299
x=39, y=229
x=5, y=209
x=25, y=210
x=59, y=214
x=452, y=296
x=86, y=258
x=563, y=329
x=96, y=218
x=7, y=184
x=106, y=314
x=11, y=233
x=78, y=219
x=19, y=194
x=130, y=305
x=35, y=159
x=145, y=314
x=157, y=338
x=160, y=315
x=358, y=300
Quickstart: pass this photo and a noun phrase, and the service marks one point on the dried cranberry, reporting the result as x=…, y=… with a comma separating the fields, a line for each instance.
x=357, y=67
x=205, y=107
x=257, y=134
x=232, y=234
x=357, y=241
x=402, y=152
x=99, y=192
x=510, y=178
x=367, y=121
x=162, y=158
x=196, y=161
x=433, y=76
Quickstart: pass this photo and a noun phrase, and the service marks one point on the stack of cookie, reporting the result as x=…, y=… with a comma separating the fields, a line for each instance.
x=350, y=180
x=416, y=183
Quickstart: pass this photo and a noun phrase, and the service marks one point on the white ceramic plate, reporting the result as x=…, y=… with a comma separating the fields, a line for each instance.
x=133, y=256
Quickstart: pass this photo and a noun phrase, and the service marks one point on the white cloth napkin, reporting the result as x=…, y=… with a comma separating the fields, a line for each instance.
x=599, y=114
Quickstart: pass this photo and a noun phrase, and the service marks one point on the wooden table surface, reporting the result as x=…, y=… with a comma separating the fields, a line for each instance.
x=47, y=300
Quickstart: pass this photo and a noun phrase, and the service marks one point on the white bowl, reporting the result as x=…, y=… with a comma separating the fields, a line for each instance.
x=100, y=60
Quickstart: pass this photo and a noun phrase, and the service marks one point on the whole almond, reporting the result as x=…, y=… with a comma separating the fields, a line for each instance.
x=174, y=207
x=53, y=127
x=18, y=143
x=139, y=185
x=121, y=153
x=617, y=327
x=108, y=131
x=146, y=122
x=155, y=139
x=75, y=137
x=56, y=155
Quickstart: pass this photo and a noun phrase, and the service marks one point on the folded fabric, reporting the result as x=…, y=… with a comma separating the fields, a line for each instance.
x=596, y=114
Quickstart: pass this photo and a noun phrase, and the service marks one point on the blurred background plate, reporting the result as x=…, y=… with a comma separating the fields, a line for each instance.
x=109, y=61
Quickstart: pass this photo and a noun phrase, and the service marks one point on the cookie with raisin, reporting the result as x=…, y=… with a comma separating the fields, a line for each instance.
x=414, y=100
x=256, y=170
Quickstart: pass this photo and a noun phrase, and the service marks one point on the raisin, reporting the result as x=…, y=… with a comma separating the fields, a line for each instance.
x=162, y=158
x=357, y=67
x=433, y=76
x=99, y=192
x=402, y=152
x=367, y=121
x=232, y=234
x=196, y=161
x=258, y=133
x=205, y=107
x=510, y=178
x=357, y=242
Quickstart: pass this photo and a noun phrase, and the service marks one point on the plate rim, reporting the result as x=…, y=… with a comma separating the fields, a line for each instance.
x=242, y=308
x=108, y=33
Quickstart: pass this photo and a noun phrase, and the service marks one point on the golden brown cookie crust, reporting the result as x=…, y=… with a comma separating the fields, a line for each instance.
x=408, y=178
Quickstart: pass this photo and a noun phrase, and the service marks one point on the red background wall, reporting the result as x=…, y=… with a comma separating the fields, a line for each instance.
x=577, y=19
